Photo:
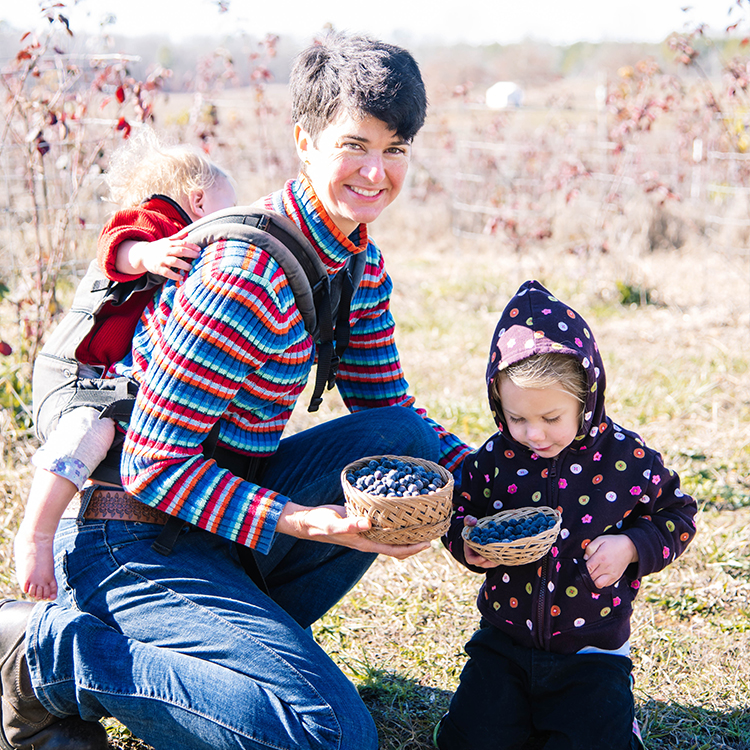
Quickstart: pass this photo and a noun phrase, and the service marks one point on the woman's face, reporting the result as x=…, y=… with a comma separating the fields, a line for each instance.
x=356, y=166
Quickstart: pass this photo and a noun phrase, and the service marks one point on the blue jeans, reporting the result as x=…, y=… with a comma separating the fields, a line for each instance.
x=185, y=650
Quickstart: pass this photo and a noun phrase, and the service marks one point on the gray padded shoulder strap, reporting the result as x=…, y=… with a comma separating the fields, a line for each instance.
x=279, y=236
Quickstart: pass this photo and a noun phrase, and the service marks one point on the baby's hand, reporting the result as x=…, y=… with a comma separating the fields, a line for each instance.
x=607, y=557
x=165, y=257
x=168, y=256
x=472, y=557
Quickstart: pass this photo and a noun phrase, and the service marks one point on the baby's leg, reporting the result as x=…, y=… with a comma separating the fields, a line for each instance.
x=77, y=445
x=35, y=570
x=75, y=448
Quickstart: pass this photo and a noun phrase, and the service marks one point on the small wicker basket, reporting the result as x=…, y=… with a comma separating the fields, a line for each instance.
x=521, y=551
x=401, y=520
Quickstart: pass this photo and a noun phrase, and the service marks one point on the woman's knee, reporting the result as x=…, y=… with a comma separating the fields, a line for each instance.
x=358, y=730
x=412, y=434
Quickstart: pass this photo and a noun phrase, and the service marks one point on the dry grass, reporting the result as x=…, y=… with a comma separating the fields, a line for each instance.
x=679, y=373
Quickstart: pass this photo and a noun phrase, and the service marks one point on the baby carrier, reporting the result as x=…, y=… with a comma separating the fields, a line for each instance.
x=323, y=302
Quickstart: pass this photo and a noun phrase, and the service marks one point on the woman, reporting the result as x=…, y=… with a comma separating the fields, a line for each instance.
x=185, y=649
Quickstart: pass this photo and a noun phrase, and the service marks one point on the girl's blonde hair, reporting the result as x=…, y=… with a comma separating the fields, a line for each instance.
x=550, y=370
x=144, y=165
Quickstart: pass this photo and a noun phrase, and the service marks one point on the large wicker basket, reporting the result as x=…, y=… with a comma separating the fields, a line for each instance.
x=521, y=551
x=401, y=520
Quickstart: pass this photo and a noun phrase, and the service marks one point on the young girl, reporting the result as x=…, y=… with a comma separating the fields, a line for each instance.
x=552, y=652
x=144, y=236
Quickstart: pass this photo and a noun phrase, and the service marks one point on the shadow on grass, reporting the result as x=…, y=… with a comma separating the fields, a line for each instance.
x=673, y=726
x=406, y=712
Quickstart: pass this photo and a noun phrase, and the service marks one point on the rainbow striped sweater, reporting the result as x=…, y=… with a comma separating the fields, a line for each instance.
x=228, y=343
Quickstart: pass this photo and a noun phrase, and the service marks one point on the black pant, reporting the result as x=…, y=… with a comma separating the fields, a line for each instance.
x=511, y=696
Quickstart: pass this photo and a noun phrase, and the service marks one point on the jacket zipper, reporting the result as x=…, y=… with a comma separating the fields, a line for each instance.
x=541, y=608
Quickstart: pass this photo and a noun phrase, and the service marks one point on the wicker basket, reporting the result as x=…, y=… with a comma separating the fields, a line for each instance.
x=401, y=520
x=521, y=551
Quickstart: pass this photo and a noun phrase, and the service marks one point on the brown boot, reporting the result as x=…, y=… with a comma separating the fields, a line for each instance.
x=26, y=724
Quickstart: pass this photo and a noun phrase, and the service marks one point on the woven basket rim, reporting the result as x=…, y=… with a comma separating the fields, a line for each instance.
x=376, y=502
x=520, y=551
x=406, y=459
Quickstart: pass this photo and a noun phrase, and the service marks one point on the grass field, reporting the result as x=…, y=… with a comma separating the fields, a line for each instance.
x=678, y=373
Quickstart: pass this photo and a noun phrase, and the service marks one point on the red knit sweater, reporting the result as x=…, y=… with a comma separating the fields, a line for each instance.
x=112, y=334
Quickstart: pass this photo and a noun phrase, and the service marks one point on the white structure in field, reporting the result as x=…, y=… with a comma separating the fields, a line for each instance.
x=504, y=94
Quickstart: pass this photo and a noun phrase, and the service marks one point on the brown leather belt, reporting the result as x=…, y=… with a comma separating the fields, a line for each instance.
x=115, y=505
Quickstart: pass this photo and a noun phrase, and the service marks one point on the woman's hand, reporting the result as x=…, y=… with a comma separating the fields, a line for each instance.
x=329, y=523
x=607, y=557
x=472, y=557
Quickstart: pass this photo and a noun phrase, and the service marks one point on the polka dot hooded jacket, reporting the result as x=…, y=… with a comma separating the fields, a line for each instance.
x=606, y=482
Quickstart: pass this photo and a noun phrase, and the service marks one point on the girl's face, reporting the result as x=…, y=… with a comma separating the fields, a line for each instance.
x=356, y=166
x=545, y=420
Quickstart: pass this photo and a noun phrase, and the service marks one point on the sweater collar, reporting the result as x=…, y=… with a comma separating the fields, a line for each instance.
x=298, y=200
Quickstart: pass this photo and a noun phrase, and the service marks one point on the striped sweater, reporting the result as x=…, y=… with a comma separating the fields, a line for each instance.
x=228, y=343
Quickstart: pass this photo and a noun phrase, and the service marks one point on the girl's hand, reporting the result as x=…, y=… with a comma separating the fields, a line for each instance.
x=607, y=557
x=472, y=557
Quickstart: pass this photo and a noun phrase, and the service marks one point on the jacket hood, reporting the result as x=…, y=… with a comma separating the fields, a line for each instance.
x=536, y=322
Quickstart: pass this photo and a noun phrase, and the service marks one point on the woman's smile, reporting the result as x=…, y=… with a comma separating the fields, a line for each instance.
x=357, y=167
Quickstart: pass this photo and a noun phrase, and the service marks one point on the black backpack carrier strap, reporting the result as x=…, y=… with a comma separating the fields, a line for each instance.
x=326, y=357
x=121, y=408
x=307, y=276
x=343, y=286
x=170, y=532
x=342, y=322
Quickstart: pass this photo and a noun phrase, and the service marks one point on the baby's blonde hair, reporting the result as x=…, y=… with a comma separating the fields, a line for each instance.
x=144, y=165
x=550, y=370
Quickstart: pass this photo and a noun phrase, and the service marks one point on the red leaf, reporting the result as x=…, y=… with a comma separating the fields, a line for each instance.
x=124, y=125
x=41, y=145
x=120, y=94
x=5, y=348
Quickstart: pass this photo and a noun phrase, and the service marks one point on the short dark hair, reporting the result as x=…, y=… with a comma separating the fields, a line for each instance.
x=360, y=76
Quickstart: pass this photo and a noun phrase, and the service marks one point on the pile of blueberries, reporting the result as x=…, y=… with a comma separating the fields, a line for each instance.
x=511, y=529
x=388, y=477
